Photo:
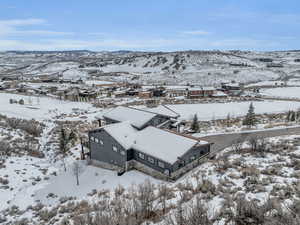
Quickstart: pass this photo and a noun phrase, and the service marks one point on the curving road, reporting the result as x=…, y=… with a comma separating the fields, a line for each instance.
x=222, y=141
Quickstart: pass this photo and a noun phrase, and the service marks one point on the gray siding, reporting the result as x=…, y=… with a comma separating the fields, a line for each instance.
x=153, y=165
x=110, y=121
x=195, y=152
x=105, y=152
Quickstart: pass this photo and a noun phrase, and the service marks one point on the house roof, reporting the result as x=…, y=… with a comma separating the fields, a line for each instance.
x=162, y=144
x=163, y=110
x=122, y=132
x=139, y=117
x=136, y=117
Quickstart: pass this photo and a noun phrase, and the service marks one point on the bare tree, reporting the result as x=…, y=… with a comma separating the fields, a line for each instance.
x=4, y=149
x=13, y=122
x=77, y=169
x=238, y=144
x=258, y=145
x=65, y=138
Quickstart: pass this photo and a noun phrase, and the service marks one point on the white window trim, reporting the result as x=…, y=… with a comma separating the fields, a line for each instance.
x=161, y=164
x=141, y=156
x=151, y=160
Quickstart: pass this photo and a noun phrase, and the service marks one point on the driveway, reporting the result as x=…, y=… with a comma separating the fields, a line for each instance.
x=222, y=141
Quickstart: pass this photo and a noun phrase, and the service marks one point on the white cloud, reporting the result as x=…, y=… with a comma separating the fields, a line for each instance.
x=22, y=22
x=16, y=27
x=196, y=32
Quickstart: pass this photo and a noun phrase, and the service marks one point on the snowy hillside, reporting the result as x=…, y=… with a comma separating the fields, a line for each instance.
x=202, y=67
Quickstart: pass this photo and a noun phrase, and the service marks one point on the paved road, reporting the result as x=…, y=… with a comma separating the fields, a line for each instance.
x=222, y=141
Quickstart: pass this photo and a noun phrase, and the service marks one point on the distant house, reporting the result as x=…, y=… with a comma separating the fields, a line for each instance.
x=200, y=92
x=275, y=65
x=177, y=91
x=158, y=92
x=154, y=151
x=120, y=94
x=231, y=86
x=145, y=94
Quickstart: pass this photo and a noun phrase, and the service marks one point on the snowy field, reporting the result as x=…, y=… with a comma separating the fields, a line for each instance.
x=40, y=108
x=284, y=92
x=211, y=111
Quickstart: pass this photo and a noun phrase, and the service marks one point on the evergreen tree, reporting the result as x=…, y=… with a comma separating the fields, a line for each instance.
x=293, y=116
x=250, y=119
x=195, y=124
x=288, y=116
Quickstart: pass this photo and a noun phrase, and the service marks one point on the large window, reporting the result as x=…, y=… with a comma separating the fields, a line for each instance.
x=161, y=164
x=150, y=159
x=141, y=156
x=193, y=158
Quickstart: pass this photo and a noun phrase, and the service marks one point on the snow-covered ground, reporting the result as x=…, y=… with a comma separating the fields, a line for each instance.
x=41, y=108
x=283, y=92
x=90, y=178
x=209, y=111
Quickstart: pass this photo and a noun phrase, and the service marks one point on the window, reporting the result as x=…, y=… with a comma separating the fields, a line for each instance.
x=141, y=155
x=161, y=164
x=115, y=149
x=96, y=140
x=192, y=158
x=150, y=159
x=101, y=142
x=92, y=138
x=122, y=152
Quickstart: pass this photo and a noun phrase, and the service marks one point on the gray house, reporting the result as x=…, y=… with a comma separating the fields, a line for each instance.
x=136, y=143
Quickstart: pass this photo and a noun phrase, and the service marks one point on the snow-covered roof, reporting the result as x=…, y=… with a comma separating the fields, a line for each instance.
x=163, y=110
x=219, y=94
x=136, y=117
x=97, y=82
x=201, y=89
x=123, y=133
x=162, y=144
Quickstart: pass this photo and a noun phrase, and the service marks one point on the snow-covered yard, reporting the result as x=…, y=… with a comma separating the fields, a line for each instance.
x=41, y=108
x=211, y=111
x=284, y=92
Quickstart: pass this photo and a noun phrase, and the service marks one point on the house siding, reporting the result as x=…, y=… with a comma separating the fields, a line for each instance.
x=196, y=151
x=152, y=165
x=105, y=152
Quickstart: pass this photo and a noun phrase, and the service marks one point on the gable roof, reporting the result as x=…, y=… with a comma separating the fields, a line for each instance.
x=136, y=117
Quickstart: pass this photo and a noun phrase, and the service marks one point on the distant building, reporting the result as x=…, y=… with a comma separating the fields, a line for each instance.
x=200, y=92
x=177, y=91
x=145, y=94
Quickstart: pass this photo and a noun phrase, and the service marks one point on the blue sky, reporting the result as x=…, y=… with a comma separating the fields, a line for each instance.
x=155, y=25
